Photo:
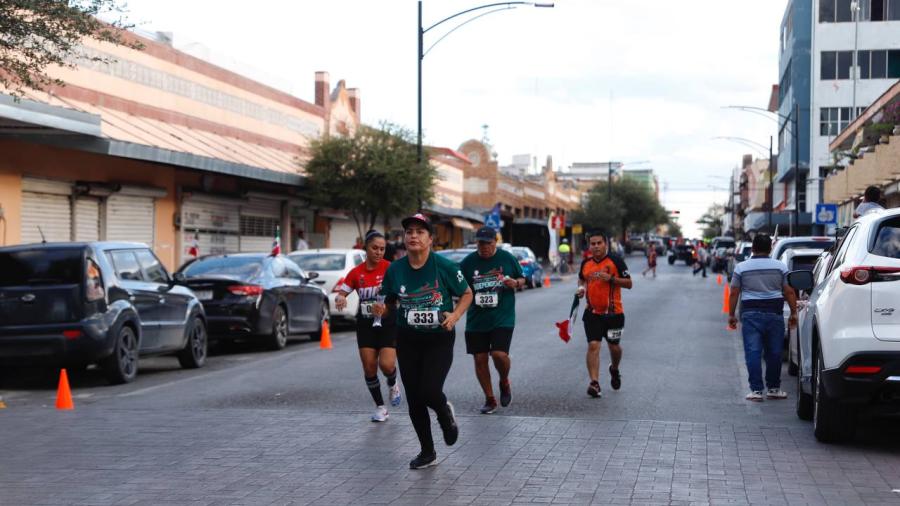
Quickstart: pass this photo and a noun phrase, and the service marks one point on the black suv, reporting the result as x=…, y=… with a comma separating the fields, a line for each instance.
x=100, y=302
x=683, y=252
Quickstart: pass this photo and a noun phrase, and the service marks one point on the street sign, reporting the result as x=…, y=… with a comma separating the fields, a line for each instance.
x=493, y=220
x=576, y=229
x=826, y=214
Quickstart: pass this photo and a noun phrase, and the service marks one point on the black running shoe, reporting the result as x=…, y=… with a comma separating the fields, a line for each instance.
x=451, y=430
x=505, y=393
x=423, y=460
x=616, y=378
x=594, y=390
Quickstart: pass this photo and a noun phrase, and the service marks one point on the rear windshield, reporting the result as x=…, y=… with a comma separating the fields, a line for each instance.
x=41, y=267
x=822, y=245
x=320, y=261
x=241, y=267
x=887, y=240
x=805, y=263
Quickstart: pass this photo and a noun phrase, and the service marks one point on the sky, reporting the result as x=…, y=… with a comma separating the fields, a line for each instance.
x=644, y=82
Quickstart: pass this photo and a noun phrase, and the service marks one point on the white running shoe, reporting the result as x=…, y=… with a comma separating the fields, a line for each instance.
x=380, y=414
x=776, y=393
x=755, y=396
x=395, y=394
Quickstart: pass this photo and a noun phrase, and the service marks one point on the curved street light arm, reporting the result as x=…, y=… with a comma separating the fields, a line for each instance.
x=464, y=23
x=747, y=142
x=486, y=6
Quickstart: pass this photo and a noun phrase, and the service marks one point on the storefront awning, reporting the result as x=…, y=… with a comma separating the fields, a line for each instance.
x=462, y=224
x=29, y=117
x=758, y=220
x=459, y=213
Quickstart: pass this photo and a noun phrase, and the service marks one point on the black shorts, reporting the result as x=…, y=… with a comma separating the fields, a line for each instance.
x=368, y=336
x=497, y=339
x=603, y=326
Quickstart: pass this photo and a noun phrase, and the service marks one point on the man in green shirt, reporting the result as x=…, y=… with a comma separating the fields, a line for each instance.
x=494, y=275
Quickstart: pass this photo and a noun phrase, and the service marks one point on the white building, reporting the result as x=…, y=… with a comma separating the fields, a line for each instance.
x=842, y=86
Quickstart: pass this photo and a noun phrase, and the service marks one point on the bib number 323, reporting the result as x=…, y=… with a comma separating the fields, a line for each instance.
x=422, y=318
x=489, y=299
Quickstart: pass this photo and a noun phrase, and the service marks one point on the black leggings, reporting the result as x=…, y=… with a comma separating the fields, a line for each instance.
x=424, y=359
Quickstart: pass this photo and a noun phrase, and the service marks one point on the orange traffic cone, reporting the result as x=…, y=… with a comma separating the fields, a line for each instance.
x=726, y=296
x=63, y=394
x=325, y=343
x=547, y=281
x=719, y=280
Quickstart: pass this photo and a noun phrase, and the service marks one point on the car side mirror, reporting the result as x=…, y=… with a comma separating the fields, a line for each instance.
x=179, y=278
x=312, y=275
x=801, y=280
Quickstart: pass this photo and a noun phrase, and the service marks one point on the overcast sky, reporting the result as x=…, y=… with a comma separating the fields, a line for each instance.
x=589, y=80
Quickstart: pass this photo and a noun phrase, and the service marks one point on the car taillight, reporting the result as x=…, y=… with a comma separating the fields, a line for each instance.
x=524, y=262
x=72, y=334
x=862, y=369
x=865, y=275
x=246, y=290
x=93, y=282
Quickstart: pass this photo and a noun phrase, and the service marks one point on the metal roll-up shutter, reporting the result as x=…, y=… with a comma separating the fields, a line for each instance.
x=215, y=222
x=130, y=218
x=47, y=208
x=87, y=219
x=259, y=220
x=343, y=233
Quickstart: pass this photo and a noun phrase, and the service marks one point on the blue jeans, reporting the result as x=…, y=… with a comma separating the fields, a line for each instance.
x=763, y=337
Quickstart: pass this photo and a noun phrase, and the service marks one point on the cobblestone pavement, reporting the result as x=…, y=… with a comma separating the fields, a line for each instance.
x=97, y=456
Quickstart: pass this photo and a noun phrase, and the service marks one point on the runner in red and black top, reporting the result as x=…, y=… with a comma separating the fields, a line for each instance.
x=602, y=278
x=376, y=338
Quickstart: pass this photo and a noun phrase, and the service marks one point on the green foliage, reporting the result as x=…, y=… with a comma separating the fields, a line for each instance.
x=41, y=33
x=674, y=229
x=373, y=175
x=713, y=221
x=633, y=208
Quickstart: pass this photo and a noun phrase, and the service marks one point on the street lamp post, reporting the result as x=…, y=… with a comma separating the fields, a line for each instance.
x=770, y=193
x=420, y=55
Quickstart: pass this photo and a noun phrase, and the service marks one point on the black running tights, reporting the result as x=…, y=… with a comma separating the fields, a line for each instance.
x=424, y=359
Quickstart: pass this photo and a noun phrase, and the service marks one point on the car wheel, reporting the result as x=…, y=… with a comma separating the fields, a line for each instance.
x=122, y=365
x=804, y=400
x=530, y=282
x=539, y=282
x=671, y=260
x=317, y=335
x=279, y=336
x=193, y=356
x=831, y=423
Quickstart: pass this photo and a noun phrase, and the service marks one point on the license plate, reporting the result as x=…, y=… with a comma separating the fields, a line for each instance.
x=419, y=318
x=486, y=299
x=365, y=309
x=204, y=294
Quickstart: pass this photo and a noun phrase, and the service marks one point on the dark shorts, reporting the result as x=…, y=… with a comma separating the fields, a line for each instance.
x=368, y=336
x=497, y=339
x=598, y=327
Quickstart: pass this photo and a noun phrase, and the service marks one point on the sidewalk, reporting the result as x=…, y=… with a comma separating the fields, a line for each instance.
x=242, y=456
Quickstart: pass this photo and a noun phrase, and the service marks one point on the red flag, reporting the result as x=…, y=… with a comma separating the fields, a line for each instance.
x=276, y=243
x=567, y=327
x=194, y=249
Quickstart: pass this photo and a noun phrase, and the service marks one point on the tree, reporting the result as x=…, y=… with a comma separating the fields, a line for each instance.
x=713, y=221
x=633, y=208
x=373, y=175
x=37, y=34
x=674, y=228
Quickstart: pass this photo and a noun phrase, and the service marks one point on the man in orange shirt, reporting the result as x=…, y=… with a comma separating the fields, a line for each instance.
x=601, y=278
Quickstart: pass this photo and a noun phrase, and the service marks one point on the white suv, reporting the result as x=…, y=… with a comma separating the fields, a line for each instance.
x=849, y=335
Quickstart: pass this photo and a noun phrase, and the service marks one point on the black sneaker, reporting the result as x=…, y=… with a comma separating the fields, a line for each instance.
x=490, y=405
x=451, y=430
x=594, y=390
x=505, y=393
x=423, y=460
x=616, y=379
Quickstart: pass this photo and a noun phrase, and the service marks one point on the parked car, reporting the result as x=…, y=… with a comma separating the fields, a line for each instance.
x=79, y=303
x=332, y=265
x=718, y=247
x=818, y=270
x=785, y=243
x=256, y=295
x=742, y=251
x=456, y=255
x=796, y=260
x=635, y=243
x=682, y=252
x=849, y=337
x=531, y=268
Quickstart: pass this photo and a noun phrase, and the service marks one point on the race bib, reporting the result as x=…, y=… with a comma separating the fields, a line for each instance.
x=487, y=299
x=614, y=334
x=423, y=318
x=365, y=309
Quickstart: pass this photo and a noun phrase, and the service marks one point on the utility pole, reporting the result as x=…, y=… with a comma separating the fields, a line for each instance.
x=796, y=132
x=770, y=190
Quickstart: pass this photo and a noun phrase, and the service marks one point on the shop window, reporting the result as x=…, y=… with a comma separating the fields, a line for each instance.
x=259, y=226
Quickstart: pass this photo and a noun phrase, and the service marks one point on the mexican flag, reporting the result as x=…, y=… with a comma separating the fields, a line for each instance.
x=194, y=249
x=567, y=327
x=276, y=243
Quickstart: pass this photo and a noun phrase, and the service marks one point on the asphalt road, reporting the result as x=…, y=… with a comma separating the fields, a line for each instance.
x=680, y=364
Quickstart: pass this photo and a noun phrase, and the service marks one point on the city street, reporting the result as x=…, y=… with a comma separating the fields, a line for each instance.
x=292, y=427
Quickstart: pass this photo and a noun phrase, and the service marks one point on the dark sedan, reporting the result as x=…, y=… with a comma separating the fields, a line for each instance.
x=255, y=295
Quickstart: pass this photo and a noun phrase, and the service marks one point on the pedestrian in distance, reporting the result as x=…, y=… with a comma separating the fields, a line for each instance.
x=419, y=291
x=565, y=257
x=871, y=202
x=701, y=260
x=601, y=279
x=494, y=275
x=376, y=338
x=651, y=261
x=301, y=243
x=760, y=285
